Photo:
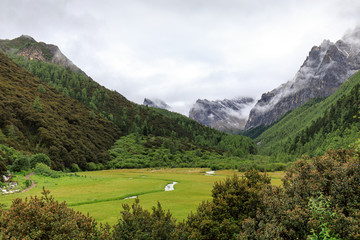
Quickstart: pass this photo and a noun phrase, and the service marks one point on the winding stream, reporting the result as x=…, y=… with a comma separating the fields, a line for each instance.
x=170, y=186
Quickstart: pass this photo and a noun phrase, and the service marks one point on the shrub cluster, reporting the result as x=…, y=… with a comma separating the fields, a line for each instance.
x=45, y=218
x=44, y=170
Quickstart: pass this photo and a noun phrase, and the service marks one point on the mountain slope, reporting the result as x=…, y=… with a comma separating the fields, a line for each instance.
x=37, y=118
x=111, y=105
x=322, y=73
x=224, y=115
x=317, y=125
x=129, y=117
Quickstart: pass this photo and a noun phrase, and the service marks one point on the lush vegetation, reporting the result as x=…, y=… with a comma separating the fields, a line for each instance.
x=63, y=128
x=316, y=126
x=51, y=127
x=319, y=199
x=136, y=151
x=45, y=218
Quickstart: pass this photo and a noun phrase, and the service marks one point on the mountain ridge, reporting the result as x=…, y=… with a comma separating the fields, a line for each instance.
x=322, y=73
x=28, y=47
x=224, y=115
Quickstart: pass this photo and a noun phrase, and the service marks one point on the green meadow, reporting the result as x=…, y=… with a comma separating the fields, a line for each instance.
x=102, y=193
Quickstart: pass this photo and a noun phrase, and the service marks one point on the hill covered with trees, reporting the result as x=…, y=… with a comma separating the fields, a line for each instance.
x=37, y=118
x=49, y=84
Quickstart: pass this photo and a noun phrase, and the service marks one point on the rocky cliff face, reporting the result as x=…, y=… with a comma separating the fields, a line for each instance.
x=27, y=47
x=156, y=103
x=324, y=70
x=225, y=115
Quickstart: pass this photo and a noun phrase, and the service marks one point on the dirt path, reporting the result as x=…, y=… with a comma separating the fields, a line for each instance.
x=32, y=185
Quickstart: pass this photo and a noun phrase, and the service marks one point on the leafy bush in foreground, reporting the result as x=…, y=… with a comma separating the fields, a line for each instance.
x=137, y=223
x=45, y=218
x=234, y=200
x=286, y=212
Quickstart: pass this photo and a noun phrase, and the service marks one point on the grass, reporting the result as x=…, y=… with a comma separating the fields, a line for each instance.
x=102, y=193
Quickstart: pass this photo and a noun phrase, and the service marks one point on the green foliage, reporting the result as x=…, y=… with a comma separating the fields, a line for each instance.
x=37, y=104
x=45, y=218
x=41, y=89
x=39, y=158
x=233, y=200
x=321, y=214
x=11, y=132
x=44, y=170
x=253, y=133
x=63, y=130
x=138, y=223
x=136, y=151
x=8, y=154
x=20, y=163
x=91, y=166
x=28, y=183
x=75, y=168
x=319, y=198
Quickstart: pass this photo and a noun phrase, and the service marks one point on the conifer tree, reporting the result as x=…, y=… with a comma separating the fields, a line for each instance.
x=37, y=104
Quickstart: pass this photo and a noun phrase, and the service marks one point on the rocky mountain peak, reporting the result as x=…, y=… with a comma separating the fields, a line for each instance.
x=322, y=73
x=156, y=103
x=225, y=115
x=27, y=37
x=28, y=47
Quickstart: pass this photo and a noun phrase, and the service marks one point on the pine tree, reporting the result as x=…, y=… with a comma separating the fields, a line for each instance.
x=41, y=89
x=37, y=104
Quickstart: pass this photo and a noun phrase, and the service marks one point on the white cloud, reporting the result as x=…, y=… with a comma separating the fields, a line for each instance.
x=182, y=50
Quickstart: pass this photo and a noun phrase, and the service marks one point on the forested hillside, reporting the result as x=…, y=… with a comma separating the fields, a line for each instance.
x=36, y=118
x=317, y=125
x=130, y=117
x=102, y=103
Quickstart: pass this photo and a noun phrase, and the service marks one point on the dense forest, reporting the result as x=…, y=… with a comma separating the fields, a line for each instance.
x=35, y=118
x=137, y=151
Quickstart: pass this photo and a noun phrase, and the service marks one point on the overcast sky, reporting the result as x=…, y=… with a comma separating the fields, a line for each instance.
x=183, y=50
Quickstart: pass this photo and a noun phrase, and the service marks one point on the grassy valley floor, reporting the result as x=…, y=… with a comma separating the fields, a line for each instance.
x=102, y=193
